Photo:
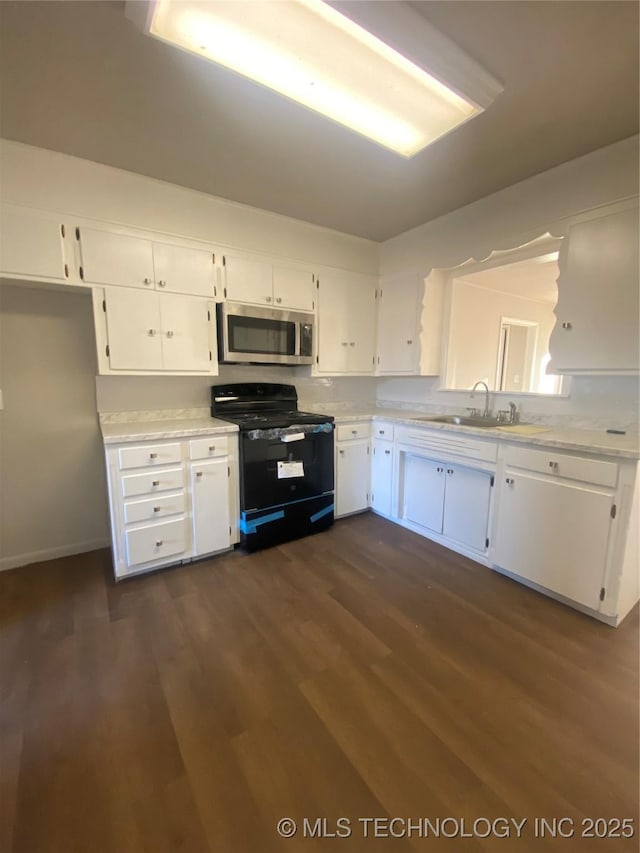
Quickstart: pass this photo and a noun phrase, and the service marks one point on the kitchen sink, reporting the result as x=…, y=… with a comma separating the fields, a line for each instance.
x=463, y=420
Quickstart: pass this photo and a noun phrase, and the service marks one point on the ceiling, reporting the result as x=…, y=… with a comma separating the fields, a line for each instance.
x=78, y=77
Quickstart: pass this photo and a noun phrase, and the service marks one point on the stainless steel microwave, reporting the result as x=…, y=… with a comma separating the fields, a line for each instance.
x=256, y=335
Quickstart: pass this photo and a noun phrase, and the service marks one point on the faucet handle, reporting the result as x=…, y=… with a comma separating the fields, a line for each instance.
x=514, y=415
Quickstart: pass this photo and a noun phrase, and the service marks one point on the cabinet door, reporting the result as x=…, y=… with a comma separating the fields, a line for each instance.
x=597, y=311
x=381, y=476
x=133, y=329
x=361, y=315
x=185, y=323
x=31, y=244
x=210, y=496
x=555, y=534
x=181, y=270
x=352, y=477
x=333, y=331
x=466, y=506
x=109, y=258
x=398, y=320
x=293, y=288
x=247, y=280
x=423, y=492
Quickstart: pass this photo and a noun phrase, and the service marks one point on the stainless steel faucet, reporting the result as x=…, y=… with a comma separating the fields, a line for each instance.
x=514, y=416
x=486, y=412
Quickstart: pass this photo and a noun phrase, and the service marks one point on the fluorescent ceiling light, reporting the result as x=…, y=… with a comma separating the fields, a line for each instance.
x=313, y=54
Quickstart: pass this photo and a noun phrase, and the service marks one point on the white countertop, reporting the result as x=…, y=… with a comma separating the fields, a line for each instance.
x=584, y=440
x=566, y=438
x=118, y=433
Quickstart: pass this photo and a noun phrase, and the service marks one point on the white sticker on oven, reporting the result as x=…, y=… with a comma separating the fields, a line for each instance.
x=290, y=469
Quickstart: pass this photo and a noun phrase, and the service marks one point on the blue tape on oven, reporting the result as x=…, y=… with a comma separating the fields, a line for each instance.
x=321, y=513
x=252, y=526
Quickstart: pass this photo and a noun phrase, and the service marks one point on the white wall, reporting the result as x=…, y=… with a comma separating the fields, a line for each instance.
x=53, y=497
x=474, y=332
x=52, y=181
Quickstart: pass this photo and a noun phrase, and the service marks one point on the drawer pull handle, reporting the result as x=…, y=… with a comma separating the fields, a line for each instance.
x=279, y=300
x=381, y=432
x=153, y=456
x=354, y=432
x=268, y=299
x=553, y=466
x=162, y=283
x=509, y=481
x=449, y=470
x=352, y=344
x=155, y=483
x=409, y=342
x=157, y=508
x=158, y=543
x=566, y=326
x=169, y=334
x=341, y=452
x=146, y=280
x=198, y=473
x=387, y=452
x=151, y=332
x=212, y=447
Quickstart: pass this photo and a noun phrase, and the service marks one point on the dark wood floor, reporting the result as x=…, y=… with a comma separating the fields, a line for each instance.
x=364, y=672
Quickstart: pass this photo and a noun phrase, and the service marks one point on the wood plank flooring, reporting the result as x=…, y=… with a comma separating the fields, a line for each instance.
x=364, y=672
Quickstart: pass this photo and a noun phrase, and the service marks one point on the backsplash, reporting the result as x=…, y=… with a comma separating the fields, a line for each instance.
x=190, y=394
x=593, y=402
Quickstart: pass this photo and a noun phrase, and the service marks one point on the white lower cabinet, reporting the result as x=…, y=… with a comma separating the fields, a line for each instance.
x=161, y=513
x=353, y=468
x=209, y=480
x=450, y=500
x=382, y=476
x=554, y=522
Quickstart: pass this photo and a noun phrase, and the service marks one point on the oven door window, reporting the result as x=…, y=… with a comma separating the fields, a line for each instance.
x=261, y=336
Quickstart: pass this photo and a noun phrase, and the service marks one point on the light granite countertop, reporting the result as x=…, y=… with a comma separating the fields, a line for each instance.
x=565, y=438
x=120, y=433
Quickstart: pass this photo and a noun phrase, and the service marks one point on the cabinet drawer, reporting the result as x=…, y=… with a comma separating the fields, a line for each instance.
x=151, y=482
x=383, y=431
x=442, y=444
x=562, y=465
x=205, y=448
x=149, y=454
x=151, y=509
x=156, y=541
x=349, y=432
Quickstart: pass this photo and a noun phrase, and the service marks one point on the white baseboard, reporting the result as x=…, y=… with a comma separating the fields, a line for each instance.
x=18, y=560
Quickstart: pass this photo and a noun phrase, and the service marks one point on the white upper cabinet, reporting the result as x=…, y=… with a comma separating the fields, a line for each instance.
x=294, y=288
x=346, y=324
x=597, y=312
x=146, y=332
x=399, y=301
x=184, y=270
x=34, y=244
x=257, y=281
x=108, y=257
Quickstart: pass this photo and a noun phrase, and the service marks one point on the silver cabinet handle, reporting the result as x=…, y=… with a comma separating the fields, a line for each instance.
x=146, y=280
x=354, y=432
x=449, y=470
x=345, y=344
x=341, y=452
x=152, y=332
x=439, y=470
x=278, y=300
x=155, y=483
x=212, y=447
x=153, y=456
x=387, y=452
x=509, y=481
x=157, y=508
x=158, y=543
x=553, y=466
x=409, y=342
x=162, y=283
x=268, y=299
x=169, y=334
x=198, y=473
x=567, y=326
x=381, y=431
x=352, y=344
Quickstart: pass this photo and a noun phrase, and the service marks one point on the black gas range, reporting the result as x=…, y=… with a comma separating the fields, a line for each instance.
x=286, y=462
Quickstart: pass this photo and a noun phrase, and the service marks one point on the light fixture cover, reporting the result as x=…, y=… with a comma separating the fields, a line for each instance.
x=315, y=55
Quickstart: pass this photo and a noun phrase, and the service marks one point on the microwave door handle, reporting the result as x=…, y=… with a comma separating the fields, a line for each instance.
x=298, y=344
